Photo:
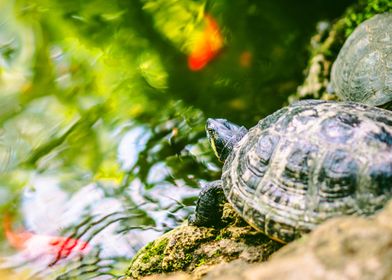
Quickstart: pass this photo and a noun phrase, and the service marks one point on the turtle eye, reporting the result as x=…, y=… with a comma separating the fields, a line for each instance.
x=210, y=131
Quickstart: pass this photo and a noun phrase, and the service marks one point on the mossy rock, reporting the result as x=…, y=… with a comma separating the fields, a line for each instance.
x=196, y=249
x=326, y=44
x=342, y=248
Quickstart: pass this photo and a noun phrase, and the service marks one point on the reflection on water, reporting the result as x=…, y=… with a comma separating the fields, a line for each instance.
x=64, y=229
x=56, y=234
x=102, y=142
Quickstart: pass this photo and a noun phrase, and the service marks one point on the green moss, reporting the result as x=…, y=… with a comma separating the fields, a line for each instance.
x=201, y=262
x=223, y=234
x=217, y=254
x=218, y=237
x=153, y=251
x=363, y=11
x=148, y=260
x=187, y=247
x=188, y=258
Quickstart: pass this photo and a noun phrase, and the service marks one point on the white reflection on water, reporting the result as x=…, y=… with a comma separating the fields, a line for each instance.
x=92, y=213
x=164, y=196
x=131, y=144
x=47, y=209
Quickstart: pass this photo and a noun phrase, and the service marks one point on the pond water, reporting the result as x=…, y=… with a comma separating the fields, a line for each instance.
x=103, y=105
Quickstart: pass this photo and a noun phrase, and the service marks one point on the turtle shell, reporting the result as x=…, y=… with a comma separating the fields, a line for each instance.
x=362, y=71
x=309, y=162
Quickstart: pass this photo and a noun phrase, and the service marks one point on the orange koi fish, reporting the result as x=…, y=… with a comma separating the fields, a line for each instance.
x=207, y=46
x=36, y=246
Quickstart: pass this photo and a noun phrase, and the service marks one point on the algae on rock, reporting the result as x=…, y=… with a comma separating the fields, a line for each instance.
x=342, y=248
x=196, y=249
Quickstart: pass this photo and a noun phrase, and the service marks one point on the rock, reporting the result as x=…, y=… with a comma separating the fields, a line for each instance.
x=196, y=249
x=170, y=276
x=342, y=248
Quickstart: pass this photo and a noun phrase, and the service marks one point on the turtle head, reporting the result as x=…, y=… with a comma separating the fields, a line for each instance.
x=223, y=135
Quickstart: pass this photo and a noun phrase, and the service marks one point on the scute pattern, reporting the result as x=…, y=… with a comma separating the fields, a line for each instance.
x=381, y=176
x=336, y=131
x=338, y=175
x=315, y=161
x=298, y=166
x=362, y=71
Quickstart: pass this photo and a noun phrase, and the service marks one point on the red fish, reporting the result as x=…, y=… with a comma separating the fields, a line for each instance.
x=35, y=246
x=207, y=46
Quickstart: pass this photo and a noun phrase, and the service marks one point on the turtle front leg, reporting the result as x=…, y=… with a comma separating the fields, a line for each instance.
x=209, y=207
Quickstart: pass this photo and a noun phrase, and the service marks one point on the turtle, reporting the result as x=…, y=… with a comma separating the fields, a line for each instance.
x=362, y=71
x=300, y=166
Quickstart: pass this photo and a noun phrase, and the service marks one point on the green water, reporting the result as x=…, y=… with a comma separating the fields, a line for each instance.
x=102, y=121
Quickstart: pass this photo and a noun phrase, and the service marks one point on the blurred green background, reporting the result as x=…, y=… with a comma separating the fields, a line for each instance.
x=100, y=93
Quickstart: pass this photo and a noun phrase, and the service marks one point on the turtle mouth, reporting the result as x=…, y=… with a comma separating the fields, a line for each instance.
x=212, y=140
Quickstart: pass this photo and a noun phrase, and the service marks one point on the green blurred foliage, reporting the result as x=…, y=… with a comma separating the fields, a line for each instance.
x=364, y=10
x=77, y=76
x=74, y=74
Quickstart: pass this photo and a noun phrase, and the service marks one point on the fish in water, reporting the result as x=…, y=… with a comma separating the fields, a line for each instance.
x=207, y=46
x=35, y=247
